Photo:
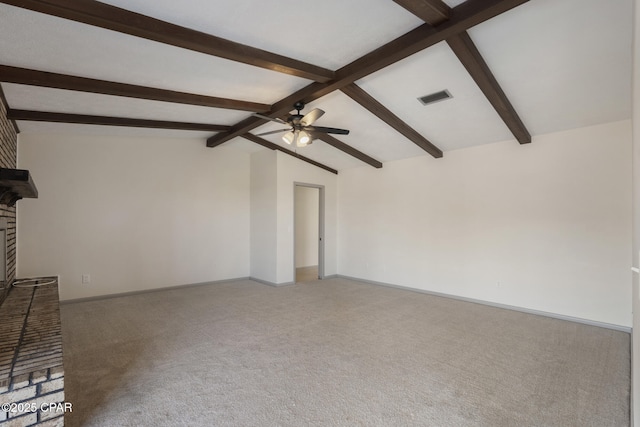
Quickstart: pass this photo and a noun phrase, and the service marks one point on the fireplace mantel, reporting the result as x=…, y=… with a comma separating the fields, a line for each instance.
x=16, y=184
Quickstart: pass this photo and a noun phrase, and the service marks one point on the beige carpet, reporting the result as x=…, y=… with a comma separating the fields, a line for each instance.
x=334, y=353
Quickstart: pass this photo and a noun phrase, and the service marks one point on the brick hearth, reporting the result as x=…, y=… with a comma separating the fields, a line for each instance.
x=31, y=370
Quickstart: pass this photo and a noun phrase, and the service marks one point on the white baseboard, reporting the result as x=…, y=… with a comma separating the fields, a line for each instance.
x=265, y=282
x=145, y=291
x=495, y=304
x=371, y=282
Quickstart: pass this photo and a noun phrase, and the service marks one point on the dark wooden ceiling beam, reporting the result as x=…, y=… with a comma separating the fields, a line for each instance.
x=239, y=129
x=253, y=138
x=43, y=116
x=116, y=19
x=62, y=81
x=472, y=60
x=356, y=93
x=468, y=54
x=336, y=143
x=433, y=12
x=463, y=17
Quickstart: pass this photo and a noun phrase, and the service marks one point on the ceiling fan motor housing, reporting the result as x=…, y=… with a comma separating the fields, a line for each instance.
x=294, y=120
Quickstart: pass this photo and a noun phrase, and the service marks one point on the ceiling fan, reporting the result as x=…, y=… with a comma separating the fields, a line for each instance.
x=299, y=131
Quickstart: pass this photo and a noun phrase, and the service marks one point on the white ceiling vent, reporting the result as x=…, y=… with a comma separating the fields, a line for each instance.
x=435, y=97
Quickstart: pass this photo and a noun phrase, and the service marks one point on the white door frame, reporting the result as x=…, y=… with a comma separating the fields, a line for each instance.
x=320, y=227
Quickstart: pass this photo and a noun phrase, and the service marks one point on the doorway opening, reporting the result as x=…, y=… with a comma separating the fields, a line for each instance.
x=308, y=253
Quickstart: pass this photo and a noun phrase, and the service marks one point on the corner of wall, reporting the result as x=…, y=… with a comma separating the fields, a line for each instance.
x=263, y=221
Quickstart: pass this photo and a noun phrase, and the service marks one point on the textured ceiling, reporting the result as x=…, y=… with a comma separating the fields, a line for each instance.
x=562, y=64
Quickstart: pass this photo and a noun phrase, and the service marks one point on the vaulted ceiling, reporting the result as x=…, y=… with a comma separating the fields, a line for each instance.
x=199, y=69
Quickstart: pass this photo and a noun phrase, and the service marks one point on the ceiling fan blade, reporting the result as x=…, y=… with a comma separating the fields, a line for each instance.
x=323, y=129
x=311, y=117
x=277, y=120
x=273, y=131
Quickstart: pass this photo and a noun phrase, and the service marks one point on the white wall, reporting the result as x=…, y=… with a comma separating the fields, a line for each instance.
x=273, y=175
x=635, y=362
x=263, y=216
x=133, y=213
x=306, y=229
x=290, y=171
x=544, y=226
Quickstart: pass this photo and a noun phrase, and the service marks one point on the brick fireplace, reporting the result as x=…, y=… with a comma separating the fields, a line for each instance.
x=8, y=159
x=31, y=369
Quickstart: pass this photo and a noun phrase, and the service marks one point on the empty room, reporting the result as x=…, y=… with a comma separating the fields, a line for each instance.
x=341, y=213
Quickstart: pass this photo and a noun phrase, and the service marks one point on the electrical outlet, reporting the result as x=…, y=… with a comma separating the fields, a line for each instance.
x=86, y=279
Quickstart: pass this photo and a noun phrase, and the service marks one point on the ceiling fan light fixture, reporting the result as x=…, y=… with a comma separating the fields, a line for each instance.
x=303, y=139
x=288, y=137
